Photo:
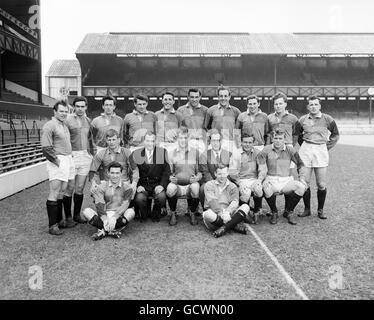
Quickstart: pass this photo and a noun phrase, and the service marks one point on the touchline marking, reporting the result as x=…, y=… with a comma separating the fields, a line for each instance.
x=279, y=266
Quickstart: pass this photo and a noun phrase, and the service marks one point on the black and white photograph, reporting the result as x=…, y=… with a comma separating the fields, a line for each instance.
x=199, y=152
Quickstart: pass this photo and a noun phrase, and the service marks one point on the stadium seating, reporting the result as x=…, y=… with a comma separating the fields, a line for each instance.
x=18, y=155
x=10, y=96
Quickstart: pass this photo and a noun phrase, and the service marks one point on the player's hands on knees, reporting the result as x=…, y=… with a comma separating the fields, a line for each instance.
x=140, y=189
x=158, y=189
x=173, y=179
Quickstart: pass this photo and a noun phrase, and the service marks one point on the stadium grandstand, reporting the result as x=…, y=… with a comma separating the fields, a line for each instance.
x=337, y=67
x=23, y=107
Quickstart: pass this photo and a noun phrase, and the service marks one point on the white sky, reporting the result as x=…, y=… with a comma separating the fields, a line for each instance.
x=64, y=23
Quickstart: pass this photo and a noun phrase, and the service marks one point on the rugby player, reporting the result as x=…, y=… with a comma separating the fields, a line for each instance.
x=319, y=133
x=278, y=157
x=184, y=178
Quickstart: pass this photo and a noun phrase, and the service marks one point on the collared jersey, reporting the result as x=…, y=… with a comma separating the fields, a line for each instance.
x=319, y=129
x=247, y=165
x=256, y=125
x=193, y=119
x=222, y=119
x=56, y=135
x=80, y=131
x=287, y=122
x=102, y=124
x=278, y=161
x=167, y=121
x=136, y=122
x=214, y=196
x=104, y=157
x=184, y=164
x=106, y=190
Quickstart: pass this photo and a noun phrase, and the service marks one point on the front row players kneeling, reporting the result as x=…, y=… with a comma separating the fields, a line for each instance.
x=112, y=199
x=222, y=202
x=277, y=157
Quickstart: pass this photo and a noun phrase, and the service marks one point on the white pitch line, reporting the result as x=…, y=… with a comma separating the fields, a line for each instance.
x=279, y=266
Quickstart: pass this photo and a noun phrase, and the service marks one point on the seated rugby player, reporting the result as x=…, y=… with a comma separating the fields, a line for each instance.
x=248, y=174
x=222, y=202
x=279, y=180
x=112, y=199
x=184, y=178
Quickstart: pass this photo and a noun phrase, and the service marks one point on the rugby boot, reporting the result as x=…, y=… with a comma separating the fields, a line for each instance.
x=54, y=230
x=306, y=213
x=173, y=219
x=219, y=232
x=274, y=218
x=321, y=214
x=193, y=219
x=241, y=228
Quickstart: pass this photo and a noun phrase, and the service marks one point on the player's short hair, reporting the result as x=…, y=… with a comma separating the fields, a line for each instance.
x=278, y=132
x=248, y=135
x=108, y=97
x=279, y=95
x=215, y=131
x=221, y=88
x=221, y=165
x=252, y=96
x=194, y=90
x=182, y=130
x=79, y=99
x=111, y=133
x=167, y=93
x=149, y=133
x=142, y=97
x=114, y=164
x=313, y=97
x=59, y=103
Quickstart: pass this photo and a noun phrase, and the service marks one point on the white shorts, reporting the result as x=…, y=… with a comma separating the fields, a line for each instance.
x=314, y=155
x=82, y=162
x=246, y=185
x=64, y=172
x=278, y=183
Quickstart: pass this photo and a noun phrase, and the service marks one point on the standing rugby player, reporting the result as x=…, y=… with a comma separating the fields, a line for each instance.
x=319, y=133
x=107, y=120
x=57, y=149
x=222, y=117
x=168, y=122
x=83, y=150
x=193, y=118
x=138, y=122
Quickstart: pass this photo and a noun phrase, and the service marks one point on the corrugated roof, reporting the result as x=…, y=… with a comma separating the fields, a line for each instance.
x=227, y=43
x=65, y=68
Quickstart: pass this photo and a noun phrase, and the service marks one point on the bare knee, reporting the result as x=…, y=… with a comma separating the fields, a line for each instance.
x=171, y=190
x=194, y=189
x=209, y=215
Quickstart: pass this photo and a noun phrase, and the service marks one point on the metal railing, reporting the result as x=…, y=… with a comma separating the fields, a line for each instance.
x=19, y=135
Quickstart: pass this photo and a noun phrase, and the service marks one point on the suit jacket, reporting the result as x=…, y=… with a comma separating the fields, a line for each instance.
x=154, y=174
x=208, y=164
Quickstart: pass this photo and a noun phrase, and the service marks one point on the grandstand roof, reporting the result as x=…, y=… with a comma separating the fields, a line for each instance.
x=228, y=43
x=64, y=68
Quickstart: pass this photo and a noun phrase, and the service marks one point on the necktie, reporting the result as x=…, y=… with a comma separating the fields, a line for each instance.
x=217, y=157
x=150, y=157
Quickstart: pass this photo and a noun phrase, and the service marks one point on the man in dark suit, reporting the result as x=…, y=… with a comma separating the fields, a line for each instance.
x=209, y=160
x=154, y=173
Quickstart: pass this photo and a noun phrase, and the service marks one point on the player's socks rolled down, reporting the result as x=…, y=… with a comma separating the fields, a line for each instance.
x=321, y=197
x=306, y=199
x=257, y=203
x=52, y=212
x=67, y=206
x=293, y=201
x=235, y=219
x=272, y=202
x=78, y=200
x=59, y=210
